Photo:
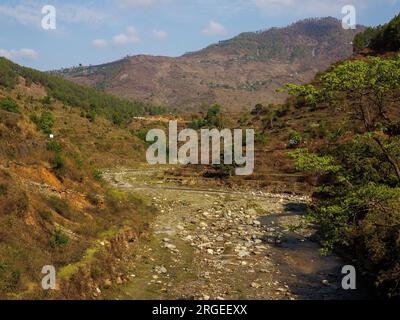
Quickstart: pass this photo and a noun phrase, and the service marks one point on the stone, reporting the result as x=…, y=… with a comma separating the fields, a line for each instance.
x=203, y=225
x=107, y=283
x=170, y=246
x=160, y=269
x=326, y=283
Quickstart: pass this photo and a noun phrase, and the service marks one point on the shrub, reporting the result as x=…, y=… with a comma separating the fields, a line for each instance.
x=46, y=215
x=9, y=105
x=261, y=138
x=97, y=175
x=9, y=279
x=58, y=164
x=59, y=239
x=45, y=122
x=295, y=139
x=54, y=146
x=3, y=189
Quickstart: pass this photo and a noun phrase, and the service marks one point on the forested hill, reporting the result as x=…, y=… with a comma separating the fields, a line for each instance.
x=237, y=73
x=71, y=94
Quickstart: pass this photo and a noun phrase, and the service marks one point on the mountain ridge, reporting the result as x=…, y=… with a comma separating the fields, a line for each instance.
x=236, y=73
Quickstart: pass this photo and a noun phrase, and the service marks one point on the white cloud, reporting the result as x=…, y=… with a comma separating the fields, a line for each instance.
x=159, y=35
x=22, y=53
x=81, y=14
x=130, y=36
x=310, y=7
x=214, y=29
x=29, y=13
x=23, y=14
x=140, y=3
x=100, y=43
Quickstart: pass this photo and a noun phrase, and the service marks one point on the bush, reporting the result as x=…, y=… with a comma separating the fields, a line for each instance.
x=3, y=189
x=9, y=279
x=59, y=239
x=213, y=119
x=46, y=216
x=58, y=164
x=45, y=122
x=261, y=138
x=54, y=146
x=9, y=105
x=295, y=139
x=97, y=175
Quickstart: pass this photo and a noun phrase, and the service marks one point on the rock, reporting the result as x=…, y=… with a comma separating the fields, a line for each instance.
x=203, y=225
x=160, y=269
x=243, y=253
x=255, y=285
x=326, y=283
x=170, y=246
x=188, y=238
x=107, y=283
x=210, y=251
x=206, y=297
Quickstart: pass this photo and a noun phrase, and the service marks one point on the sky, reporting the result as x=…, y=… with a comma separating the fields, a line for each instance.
x=95, y=32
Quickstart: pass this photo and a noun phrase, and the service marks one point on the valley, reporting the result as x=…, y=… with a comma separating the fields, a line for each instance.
x=78, y=194
x=219, y=244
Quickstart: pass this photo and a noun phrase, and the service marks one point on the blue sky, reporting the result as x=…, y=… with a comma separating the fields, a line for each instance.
x=93, y=32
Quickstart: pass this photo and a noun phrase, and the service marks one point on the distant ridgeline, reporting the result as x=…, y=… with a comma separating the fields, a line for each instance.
x=381, y=38
x=74, y=95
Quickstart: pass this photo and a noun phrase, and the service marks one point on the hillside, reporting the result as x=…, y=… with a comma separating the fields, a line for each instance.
x=55, y=208
x=342, y=131
x=237, y=73
x=337, y=137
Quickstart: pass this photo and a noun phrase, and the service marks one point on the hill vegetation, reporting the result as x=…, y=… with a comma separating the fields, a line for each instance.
x=357, y=202
x=381, y=38
x=89, y=100
x=237, y=73
x=55, y=208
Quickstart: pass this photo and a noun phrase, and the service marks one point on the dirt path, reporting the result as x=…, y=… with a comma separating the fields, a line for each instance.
x=218, y=244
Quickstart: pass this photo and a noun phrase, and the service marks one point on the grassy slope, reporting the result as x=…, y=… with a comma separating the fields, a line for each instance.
x=54, y=208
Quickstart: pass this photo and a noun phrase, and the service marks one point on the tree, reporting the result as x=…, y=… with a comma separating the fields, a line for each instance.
x=357, y=199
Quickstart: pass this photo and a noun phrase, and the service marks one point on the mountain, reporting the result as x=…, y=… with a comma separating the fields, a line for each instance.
x=237, y=73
